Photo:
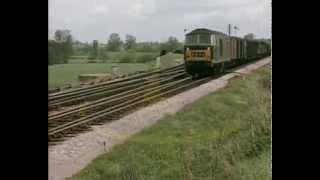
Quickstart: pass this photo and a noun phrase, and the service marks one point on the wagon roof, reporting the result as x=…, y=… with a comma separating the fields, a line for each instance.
x=236, y=37
x=205, y=31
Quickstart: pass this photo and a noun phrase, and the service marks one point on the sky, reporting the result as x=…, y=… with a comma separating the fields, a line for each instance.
x=156, y=20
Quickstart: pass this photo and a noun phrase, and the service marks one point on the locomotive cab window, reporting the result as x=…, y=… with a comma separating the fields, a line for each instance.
x=191, y=39
x=204, y=39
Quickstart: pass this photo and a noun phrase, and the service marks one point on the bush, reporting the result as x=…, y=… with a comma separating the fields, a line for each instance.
x=145, y=58
x=92, y=56
x=92, y=61
x=163, y=52
x=127, y=57
x=131, y=51
x=58, y=53
x=103, y=56
x=178, y=51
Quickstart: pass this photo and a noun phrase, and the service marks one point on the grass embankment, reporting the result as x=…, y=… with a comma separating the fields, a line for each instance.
x=225, y=135
x=62, y=74
x=168, y=60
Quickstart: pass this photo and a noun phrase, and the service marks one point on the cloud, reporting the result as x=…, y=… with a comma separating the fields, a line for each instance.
x=141, y=9
x=101, y=9
x=157, y=19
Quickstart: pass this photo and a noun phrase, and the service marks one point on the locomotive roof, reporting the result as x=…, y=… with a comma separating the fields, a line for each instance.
x=209, y=31
x=204, y=31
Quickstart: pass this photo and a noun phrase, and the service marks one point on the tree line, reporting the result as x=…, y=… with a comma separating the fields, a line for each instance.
x=116, y=44
x=63, y=46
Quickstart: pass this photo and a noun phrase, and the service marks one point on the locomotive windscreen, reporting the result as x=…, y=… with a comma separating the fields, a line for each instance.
x=204, y=38
x=192, y=39
x=198, y=39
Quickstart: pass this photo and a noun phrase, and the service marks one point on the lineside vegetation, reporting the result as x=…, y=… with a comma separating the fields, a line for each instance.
x=225, y=135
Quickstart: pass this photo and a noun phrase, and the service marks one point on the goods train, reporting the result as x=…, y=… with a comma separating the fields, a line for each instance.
x=209, y=52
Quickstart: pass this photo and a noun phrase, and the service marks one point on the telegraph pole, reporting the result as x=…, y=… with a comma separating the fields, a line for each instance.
x=229, y=29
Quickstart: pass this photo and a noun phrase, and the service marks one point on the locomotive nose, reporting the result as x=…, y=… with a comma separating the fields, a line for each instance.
x=198, y=54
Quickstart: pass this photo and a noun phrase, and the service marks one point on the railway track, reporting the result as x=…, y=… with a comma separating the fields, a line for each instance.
x=76, y=96
x=93, y=82
x=135, y=93
x=72, y=122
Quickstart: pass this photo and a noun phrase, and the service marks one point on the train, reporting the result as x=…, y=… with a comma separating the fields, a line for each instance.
x=208, y=52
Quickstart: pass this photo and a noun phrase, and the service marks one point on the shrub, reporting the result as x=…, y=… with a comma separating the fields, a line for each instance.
x=145, y=58
x=127, y=57
x=92, y=61
x=91, y=57
x=163, y=52
x=178, y=51
x=104, y=56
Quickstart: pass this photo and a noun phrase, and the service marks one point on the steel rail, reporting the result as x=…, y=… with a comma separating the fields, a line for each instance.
x=111, y=99
x=118, y=107
x=110, y=91
x=114, y=81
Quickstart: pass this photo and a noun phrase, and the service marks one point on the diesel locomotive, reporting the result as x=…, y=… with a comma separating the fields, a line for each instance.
x=209, y=52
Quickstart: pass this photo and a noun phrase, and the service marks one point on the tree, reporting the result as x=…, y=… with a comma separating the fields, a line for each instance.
x=64, y=38
x=60, y=49
x=144, y=47
x=68, y=46
x=172, y=43
x=114, y=42
x=62, y=35
x=249, y=36
x=56, y=53
x=82, y=49
x=130, y=42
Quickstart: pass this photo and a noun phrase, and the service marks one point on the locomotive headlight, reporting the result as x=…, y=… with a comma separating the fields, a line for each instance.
x=208, y=52
x=188, y=52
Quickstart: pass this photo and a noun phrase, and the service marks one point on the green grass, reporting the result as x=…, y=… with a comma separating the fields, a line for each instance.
x=113, y=57
x=169, y=60
x=225, y=135
x=117, y=55
x=78, y=61
x=62, y=74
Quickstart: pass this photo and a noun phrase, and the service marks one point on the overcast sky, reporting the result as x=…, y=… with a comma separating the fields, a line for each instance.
x=156, y=20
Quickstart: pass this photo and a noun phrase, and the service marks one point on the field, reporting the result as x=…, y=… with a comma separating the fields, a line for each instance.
x=225, y=135
x=62, y=74
x=113, y=57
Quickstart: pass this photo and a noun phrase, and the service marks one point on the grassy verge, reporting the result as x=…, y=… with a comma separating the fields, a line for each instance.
x=225, y=135
x=62, y=74
x=168, y=60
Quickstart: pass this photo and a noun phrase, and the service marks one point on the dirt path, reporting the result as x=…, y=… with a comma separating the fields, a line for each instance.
x=74, y=154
